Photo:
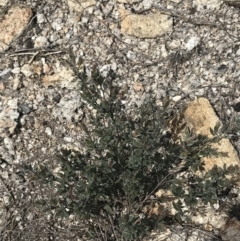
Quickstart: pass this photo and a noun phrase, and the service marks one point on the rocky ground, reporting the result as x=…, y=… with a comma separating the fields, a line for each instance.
x=176, y=49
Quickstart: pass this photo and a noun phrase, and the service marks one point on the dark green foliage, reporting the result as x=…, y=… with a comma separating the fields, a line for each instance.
x=125, y=160
x=234, y=211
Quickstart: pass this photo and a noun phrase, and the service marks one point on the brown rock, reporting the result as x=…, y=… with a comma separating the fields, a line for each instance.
x=231, y=231
x=13, y=24
x=145, y=26
x=200, y=117
x=63, y=78
x=2, y=87
x=138, y=87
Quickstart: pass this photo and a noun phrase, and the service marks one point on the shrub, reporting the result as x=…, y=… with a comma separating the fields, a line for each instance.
x=127, y=157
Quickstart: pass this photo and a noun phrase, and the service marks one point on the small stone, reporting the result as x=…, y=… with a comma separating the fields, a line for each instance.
x=138, y=87
x=208, y=227
x=2, y=86
x=176, y=98
x=114, y=66
x=30, y=216
x=26, y=70
x=13, y=24
x=131, y=55
x=192, y=43
x=84, y=20
x=13, y=115
x=147, y=3
x=48, y=131
x=6, y=200
x=5, y=74
x=53, y=37
x=145, y=26
x=12, y=103
x=46, y=69
x=4, y=174
x=40, y=41
x=56, y=97
x=56, y=25
x=143, y=45
x=15, y=83
x=24, y=109
x=40, y=18
x=176, y=43
x=40, y=97
x=105, y=69
x=8, y=143
x=164, y=51
x=136, y=76
x=229, y=112
x=16, y=70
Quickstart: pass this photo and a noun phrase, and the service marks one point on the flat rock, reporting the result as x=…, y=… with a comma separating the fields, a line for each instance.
x=40, y=41
x=63, y=78
x=80, y=5
x=13, y=24
x=200, y=117
x=145, y=26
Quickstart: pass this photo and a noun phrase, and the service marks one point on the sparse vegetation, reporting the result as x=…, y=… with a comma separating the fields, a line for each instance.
x=127, y=157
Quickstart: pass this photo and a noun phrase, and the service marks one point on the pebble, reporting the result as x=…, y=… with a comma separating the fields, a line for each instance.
x=22, y=121
x=8, y=142
x=40, y=41
x=68, y=139
x=192, y=43
x=5, y=74
x=40, y=18
x=48, y=131
x=24, y=109
x=114, y=66
x=2, y=86
x=176, y=98
x=16, y=70
x=26, y=70
x=131, y=55
x=57, y=25
x=15, y=83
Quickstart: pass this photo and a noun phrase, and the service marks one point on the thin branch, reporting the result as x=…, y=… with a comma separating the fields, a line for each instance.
x=177, y=14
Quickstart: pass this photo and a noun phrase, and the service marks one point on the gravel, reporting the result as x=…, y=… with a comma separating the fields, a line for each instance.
x=190, y=61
